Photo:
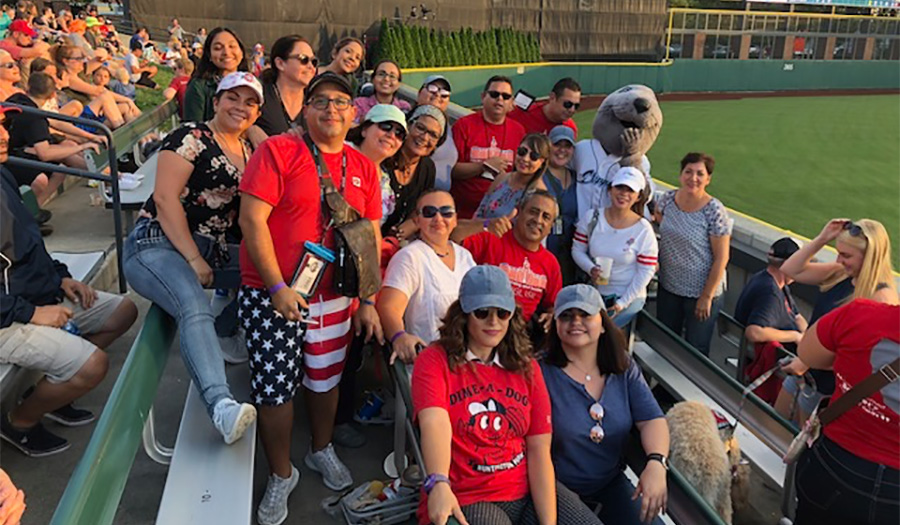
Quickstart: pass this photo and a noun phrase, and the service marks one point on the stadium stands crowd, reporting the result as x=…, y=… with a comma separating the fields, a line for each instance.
x=510, y=305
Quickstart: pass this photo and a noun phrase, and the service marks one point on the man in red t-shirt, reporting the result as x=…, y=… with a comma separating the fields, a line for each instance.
x=541, y=117
x=20, y=43
x=486, y=143
x=280, y=211
x=532, y=269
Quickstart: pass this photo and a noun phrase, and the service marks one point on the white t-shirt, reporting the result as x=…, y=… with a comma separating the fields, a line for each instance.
x=444, y=158
x=594, y=169
x=132, y=63
x=633, y=251
x=428, y=283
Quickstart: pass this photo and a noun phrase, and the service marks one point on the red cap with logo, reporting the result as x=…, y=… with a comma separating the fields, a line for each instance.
x=22, y=26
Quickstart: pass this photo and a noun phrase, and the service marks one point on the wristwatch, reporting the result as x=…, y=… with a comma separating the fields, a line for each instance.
x=659, y=457
x=433, y=479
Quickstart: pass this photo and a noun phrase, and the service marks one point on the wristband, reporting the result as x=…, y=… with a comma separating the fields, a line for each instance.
x=433, y=479
x=367, y=302
x=277, y=288
x=397, y=336
x=486, y=224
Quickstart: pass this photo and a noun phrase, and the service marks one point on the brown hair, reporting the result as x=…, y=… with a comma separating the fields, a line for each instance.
x=346, y=41
x=514, y=351
x=694, y=157
x=612, y=349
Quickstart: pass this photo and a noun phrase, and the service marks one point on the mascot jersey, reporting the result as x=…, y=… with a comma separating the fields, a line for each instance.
x=492, y=411
x=594, y=169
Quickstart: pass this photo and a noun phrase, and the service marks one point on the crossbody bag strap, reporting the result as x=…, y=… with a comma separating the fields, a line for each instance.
x=883, y=376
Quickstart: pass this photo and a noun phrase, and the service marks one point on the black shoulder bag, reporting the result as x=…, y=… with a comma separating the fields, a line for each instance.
x=356, y=271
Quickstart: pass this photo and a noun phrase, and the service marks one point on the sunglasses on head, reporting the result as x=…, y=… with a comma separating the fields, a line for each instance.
x=429, y=212
x=305, y=60
x=568, y=104
x=483, y=313
x=853, y=229
x=497, y=94
x=597, y=432
x=393, y=127
x=522, y=151
x=435, y=90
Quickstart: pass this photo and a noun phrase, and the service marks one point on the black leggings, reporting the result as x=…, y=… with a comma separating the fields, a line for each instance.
x=570, y=511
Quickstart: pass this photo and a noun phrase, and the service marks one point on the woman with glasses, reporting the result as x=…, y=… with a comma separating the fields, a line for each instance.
x=100, y=104
x=10, y=75
x=484, y=415
x=422, y=279
x=223, y=53
x=507, y=190
x=598, y=394
x=410, y=172
x=293, y=66
x=386, y=78
x=862, y=271
x=346, y=57
x=380, y=135
x=560, y=182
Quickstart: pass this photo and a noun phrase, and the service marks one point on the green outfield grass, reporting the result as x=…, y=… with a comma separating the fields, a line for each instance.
x=793, y=162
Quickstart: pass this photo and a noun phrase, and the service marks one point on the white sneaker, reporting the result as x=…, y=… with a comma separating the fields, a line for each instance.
x=234, y=348
x=232, y=419
x=273, y=508
x=335, y=474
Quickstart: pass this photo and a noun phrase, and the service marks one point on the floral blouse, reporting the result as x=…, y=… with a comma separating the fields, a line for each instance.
x=210, y=198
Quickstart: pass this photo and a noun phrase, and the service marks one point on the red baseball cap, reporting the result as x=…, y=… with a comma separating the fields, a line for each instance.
x=22, y=26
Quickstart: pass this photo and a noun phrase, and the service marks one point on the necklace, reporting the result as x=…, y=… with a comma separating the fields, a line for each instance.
x=223, y=144
x=439, y=254
x=587, y=376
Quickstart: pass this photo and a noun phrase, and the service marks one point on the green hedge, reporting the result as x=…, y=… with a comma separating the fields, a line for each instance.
x=416, y=47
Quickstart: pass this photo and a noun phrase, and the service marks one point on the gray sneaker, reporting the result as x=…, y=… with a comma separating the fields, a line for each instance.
x=346, y=435
x=234, y=348
x=335, y=474
x=273, y=508
x=232, y=419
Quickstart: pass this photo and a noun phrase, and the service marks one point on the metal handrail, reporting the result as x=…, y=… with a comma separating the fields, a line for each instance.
x=112, y=178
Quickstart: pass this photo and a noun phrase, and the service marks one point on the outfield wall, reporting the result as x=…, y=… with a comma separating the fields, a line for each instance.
x=678, y=76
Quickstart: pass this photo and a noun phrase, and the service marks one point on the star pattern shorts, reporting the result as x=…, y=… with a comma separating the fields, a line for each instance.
x=275, y=347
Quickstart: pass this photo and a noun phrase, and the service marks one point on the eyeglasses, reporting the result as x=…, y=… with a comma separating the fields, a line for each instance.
x=390, y=76
x=597, y=412
x=434, y=90
x=498, y=94
x=393, y=127
x=82, y=58
x=420, y=128
x=483, y=313
x=522, y=151
x=9, y=65
x=853, y=229
x=321, y=103
x=304, y=60
x=568, y=104
x=571, y=314
x=446, y=212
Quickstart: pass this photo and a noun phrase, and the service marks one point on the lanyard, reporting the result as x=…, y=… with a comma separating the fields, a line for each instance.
x=322, y=168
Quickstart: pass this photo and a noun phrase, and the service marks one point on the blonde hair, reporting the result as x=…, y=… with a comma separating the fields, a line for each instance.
x=876, y=271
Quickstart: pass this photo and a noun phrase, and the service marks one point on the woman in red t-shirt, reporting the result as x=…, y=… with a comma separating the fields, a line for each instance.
x=851, y=475
x=484, y=414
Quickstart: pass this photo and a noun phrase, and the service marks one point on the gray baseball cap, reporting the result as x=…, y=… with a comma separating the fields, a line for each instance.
x=486, y=287
x=559, y=133
x=431, y=79
x=582, y=296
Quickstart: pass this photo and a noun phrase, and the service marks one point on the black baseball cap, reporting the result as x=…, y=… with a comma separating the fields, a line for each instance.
x=340, y=81
x=783, y=248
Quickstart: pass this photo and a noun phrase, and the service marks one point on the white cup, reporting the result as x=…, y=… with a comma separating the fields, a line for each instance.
x=605, y=265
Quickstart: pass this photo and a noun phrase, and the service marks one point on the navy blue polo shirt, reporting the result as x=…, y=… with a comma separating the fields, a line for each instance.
x=763, y=304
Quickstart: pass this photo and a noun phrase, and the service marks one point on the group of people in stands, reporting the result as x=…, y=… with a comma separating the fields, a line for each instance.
x=510, y=303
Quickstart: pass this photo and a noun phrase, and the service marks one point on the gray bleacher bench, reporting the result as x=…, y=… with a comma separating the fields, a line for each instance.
x=133, y=200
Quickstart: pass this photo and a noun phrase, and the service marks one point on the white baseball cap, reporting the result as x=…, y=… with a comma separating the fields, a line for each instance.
x=631, y=177
x=238, y=79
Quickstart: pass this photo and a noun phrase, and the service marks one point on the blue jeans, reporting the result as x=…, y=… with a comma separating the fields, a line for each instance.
x=617, y=506
x=834, y=486
x=157, y=271
x=625, y=316
x=677, y=313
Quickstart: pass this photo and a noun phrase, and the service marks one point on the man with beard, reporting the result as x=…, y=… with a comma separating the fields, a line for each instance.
x=533, y=271
x=288, y=339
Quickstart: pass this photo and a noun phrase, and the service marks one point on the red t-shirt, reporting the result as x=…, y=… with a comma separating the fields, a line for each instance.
x=871, y=429
x=476, y=141
x=534, y=120
x=491, y=411
x=14, y=51
x=535, y=276
x=179, y=84
x=282, y=172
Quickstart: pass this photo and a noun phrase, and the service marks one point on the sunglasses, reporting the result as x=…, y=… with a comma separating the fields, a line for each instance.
x=305, y=60
x=392, y=127
x=853, y=229
x=523, y=151
x=568, y=104
x=446, y=212
x=9, y=65
x=389, y=76
x=570, y=315
x=597, y=432
x=420, y=128
x=321, y=103
x=497, y=94
x=434, y=90
x=483, y=313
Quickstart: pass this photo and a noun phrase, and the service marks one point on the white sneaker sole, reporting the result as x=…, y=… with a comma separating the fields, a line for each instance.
x=281, y=519
x=244, y=420
x=312, y=466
